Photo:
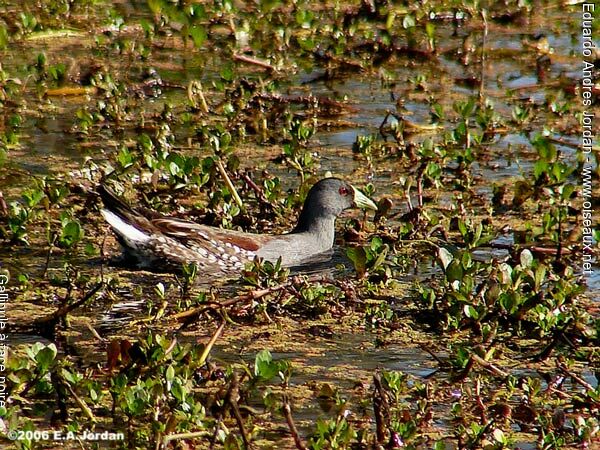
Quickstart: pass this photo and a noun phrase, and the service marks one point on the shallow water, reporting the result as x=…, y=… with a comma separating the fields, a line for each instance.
x=49, y=147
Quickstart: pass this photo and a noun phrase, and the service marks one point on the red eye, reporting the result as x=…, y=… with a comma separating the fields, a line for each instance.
x=343, y=191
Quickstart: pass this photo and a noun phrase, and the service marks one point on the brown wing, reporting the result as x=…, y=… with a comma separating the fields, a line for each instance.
x=186, y=230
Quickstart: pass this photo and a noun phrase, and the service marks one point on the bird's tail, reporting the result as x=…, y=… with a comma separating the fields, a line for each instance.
x=131, y=227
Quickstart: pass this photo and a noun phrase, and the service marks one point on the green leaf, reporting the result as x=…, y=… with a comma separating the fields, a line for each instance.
x=45, y=357
x=526, y=258
x=306, y=44
x=90, y=249
x=546, y=150
x=71, y=233
x=170, y=373
x=408, y=21
x=269, y=5
x=523, y=191
x=3, y=37
x=539, y=168
x=376, y=243
x=444, y=257
x=155, y=6
x=358, y=256
x=227, y=73
x=380, y=258
x=539, y=276
x=33, y=197
x=477, y=236
x=466, y=260
x=34, y=350
x=173, y=168
x=71, y=377
x=264, y=367
x=125, y=158
x=454, y=271
x=462, y=227
x=433, y=170
x=198, y=35
x=471, y=312
x=304, y=18
x=430, y=30
x=499, y=436
x=160, y=290
x=178, y=390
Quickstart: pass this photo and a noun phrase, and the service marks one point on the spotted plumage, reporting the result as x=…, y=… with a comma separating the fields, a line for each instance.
x=167, y=242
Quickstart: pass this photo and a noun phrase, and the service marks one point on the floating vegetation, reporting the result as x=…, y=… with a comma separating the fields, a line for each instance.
x=463, y=313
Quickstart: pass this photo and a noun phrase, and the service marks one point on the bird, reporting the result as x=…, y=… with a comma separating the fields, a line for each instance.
x=154, y=241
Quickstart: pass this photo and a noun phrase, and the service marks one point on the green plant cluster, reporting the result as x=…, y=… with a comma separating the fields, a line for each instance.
x=215, y=112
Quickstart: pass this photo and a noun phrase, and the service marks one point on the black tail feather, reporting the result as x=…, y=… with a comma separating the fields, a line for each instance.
x=113, y=203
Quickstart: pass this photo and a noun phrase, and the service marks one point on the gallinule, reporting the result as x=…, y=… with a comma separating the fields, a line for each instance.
x=168, y=242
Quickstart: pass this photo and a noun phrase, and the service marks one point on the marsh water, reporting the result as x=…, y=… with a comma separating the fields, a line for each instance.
x=50, y=145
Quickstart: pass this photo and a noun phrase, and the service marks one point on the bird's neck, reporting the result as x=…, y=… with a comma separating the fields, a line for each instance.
x=320, y=226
